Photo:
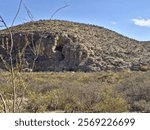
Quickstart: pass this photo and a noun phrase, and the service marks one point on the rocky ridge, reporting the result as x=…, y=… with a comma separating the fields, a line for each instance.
x=55, y=45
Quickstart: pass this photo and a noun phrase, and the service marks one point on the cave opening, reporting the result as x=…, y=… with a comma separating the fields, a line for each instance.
x=59, y=48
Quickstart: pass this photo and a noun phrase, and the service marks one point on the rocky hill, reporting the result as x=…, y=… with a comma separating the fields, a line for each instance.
x=54, y=45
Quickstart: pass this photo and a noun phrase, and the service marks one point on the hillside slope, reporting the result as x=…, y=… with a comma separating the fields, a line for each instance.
x=55, y=45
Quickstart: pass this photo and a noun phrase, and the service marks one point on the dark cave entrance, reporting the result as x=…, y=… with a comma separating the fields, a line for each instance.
x=59, y=48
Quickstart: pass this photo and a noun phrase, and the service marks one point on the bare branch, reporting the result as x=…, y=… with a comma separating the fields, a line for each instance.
x=11, y=63
x=58, y=10
x=11, y=66
x=4, y=62
x=4, y=103
x=35, y=49
x=11, y=38
x=3, y=22
x=29, y=13
x=19, y=7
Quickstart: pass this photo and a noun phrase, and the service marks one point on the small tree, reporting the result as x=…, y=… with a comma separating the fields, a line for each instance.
x=9, y=65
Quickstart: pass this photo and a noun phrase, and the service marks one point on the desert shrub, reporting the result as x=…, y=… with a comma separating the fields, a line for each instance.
x=6, y=90
x=35, y=102
x=141, y=106
x=92, y=99
x=137, y=91
x=39, y=102
x=110, y=101
x=78, y=99
x=71, y=92
x=63, y=99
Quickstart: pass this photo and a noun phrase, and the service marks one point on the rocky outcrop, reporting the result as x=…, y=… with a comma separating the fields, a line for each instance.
x=67, y=46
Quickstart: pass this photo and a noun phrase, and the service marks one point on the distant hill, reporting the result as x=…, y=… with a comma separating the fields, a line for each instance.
x=55, y=45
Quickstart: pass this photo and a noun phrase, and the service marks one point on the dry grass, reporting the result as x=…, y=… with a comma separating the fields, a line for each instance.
x=82, y=92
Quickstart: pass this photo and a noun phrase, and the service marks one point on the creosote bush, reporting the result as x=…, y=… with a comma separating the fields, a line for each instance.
x=78, y=99
x=111, y=101
x=136, y=90
x=80, y=92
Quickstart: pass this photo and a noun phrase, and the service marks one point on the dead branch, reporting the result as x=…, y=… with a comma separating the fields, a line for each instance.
x=57, y=10
x=4, y=63
x=13, y=75
x=3, y=22
x=29, y=13
x=4, y=103
x=11, y=63
x=19, y=7
x=35, y=49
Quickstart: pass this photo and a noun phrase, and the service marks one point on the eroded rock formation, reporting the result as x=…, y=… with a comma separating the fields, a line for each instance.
x=67, y=46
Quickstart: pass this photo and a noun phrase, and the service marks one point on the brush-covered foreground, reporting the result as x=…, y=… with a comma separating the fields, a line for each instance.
x=78, y=92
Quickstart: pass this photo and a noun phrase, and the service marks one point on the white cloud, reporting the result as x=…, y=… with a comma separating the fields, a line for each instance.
x=141, y=22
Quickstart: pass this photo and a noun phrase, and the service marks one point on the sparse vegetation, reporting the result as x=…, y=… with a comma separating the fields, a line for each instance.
x=83, y=92
x=54, y=45
x=137, y=91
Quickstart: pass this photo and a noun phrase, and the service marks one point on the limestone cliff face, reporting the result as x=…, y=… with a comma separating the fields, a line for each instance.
x=67, y=46
x=51, y=51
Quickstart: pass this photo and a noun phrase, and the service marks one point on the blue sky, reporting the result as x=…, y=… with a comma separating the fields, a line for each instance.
x=128, y=17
